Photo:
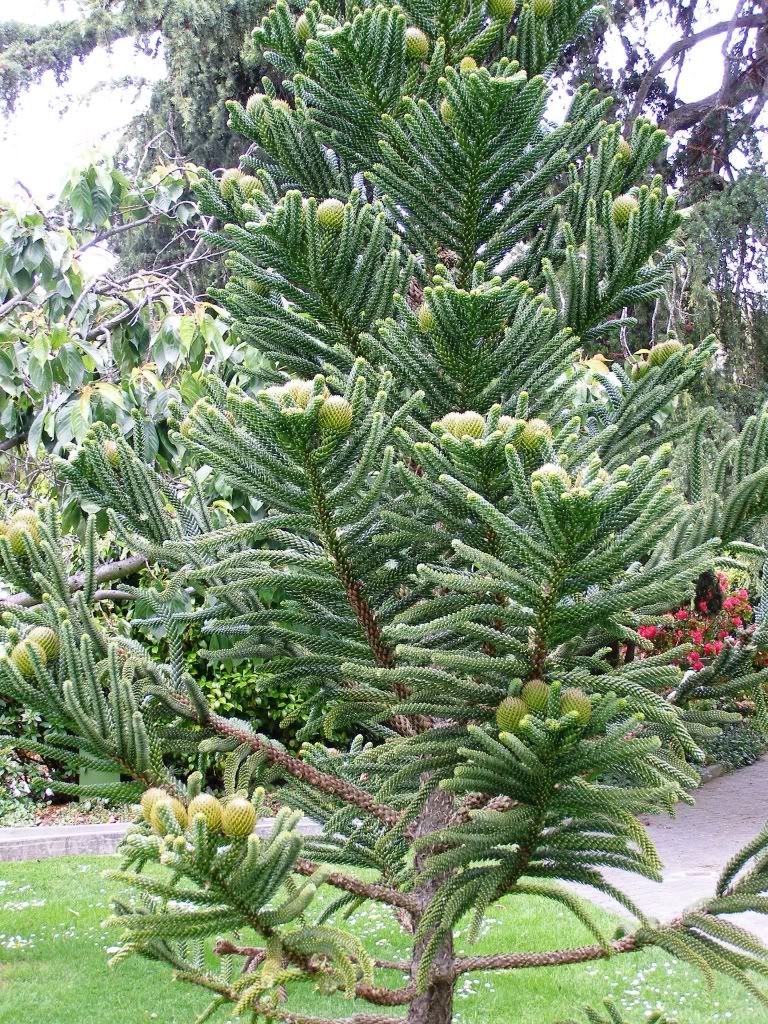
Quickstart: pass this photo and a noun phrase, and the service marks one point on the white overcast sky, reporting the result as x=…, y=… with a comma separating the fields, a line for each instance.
x=56, y=129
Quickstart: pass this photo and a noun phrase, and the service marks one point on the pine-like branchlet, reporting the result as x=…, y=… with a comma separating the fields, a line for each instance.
x=456, y=551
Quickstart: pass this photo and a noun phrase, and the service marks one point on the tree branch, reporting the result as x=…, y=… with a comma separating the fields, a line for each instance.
x=301, y=1018
x=552, y=958
x=17, y=300
x=369, y=890
x=102, y=236
x=226, y=948
x=109, y=571
x=741, y=88
x=13, y=442
x=347, y=792
x=686, y=43
x=376, y=994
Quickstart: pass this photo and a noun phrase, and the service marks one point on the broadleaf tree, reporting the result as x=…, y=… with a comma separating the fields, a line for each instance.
x=466, y=526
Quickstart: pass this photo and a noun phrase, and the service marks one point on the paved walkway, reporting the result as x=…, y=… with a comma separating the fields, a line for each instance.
x=694, y=845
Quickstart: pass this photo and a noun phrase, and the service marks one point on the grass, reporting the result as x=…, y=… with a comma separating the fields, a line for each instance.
x=53, y=964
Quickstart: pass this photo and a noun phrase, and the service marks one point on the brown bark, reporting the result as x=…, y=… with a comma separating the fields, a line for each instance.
x=368, y=890
x=552, y=958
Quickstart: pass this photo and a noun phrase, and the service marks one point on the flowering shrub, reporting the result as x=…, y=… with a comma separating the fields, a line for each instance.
x=706, y=627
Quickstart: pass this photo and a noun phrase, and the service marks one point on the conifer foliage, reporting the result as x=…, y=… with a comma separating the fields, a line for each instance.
x=464, y=530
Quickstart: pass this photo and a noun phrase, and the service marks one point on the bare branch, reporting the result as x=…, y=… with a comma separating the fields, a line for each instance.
x=17, y=300
x=102, y=236
x=686, y=43
x=109, y=571
x=14, y=441
x=552, y=958
x=357, y=887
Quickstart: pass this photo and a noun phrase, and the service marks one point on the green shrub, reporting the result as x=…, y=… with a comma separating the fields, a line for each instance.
x=22, y=780
x=739, y=744
x=234, y=688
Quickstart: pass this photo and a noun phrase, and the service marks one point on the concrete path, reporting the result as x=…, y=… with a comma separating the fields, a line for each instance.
x=696, y=844
x=41, y=841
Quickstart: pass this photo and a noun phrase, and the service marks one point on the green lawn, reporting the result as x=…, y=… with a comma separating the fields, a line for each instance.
x=53, y=966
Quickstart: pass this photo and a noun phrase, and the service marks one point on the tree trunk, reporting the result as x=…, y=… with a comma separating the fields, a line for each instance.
x=435, y=1004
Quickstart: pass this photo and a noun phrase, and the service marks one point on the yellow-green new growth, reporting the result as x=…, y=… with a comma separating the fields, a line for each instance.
x=21, y=656
x=416, y=43
x=47, y=639
x=335, y=415
x=510, y=713
x=238, y=818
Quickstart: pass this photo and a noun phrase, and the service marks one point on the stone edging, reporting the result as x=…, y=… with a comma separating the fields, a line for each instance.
x=38, y=843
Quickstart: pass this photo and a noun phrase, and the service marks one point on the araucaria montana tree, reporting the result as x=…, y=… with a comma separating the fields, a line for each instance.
x=464, y=528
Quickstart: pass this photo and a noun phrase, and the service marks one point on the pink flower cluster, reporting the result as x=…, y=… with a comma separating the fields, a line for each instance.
x=707, y=632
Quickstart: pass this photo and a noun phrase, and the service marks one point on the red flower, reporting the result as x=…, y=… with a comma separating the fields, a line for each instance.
x=730, y=602
x=697, y=636
x=718, y=646
x=703, y=606
x=723, y=634
x=681, y=613
x=709, y=648
x=737, y=620
x=742, y=594
x=648, y=632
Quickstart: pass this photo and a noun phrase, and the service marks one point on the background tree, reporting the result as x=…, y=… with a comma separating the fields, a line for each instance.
x=81, y=344
x=467, y=528
x=206, y=47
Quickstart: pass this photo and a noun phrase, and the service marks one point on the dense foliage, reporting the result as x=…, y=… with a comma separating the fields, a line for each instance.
x=470, y=523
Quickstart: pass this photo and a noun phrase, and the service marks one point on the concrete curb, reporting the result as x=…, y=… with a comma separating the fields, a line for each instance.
x=38, y=843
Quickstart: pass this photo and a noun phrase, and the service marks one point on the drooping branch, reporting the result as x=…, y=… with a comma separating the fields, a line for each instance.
x=109, y=571
x=357, y=887
x=226, y=948
x=687, y=43
x=551, y=958
x=376, y=994
x=306, y=772
x=29, y=51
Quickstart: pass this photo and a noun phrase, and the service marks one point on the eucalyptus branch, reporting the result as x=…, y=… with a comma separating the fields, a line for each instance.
x=681, y=45
x=109, y=571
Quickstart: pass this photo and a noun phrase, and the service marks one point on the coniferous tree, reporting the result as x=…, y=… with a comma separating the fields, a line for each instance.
x=463, y=532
